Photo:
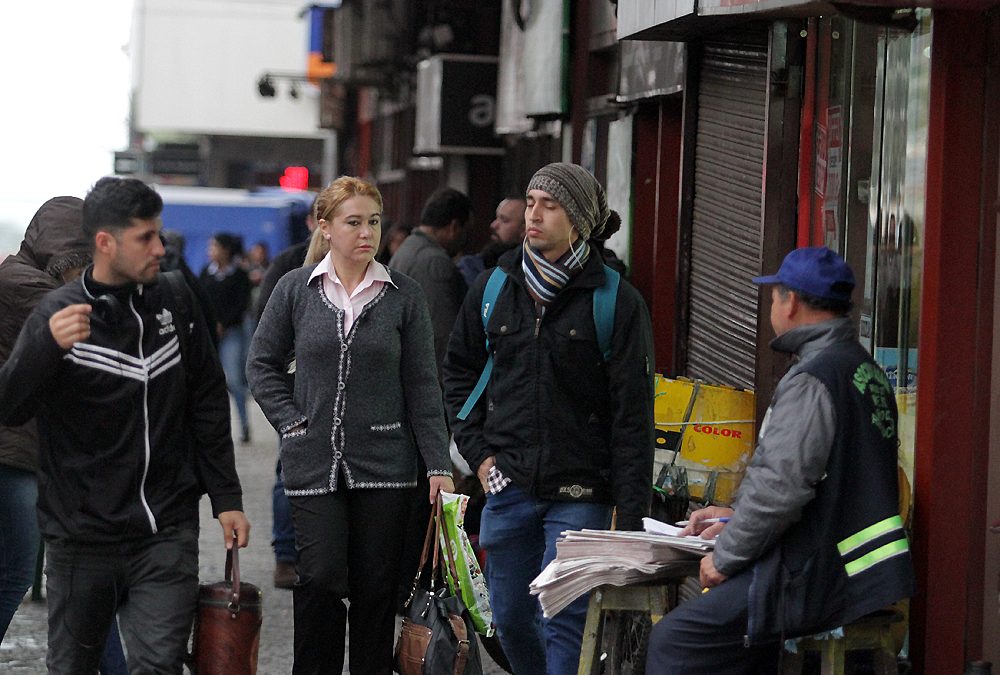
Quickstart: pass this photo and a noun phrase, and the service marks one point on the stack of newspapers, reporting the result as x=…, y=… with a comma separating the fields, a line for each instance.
x=587, y=559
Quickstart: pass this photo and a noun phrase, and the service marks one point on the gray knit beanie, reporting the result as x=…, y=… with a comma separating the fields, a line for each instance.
x=581, y=195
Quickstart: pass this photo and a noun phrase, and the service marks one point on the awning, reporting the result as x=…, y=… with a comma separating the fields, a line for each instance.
x=683, y=20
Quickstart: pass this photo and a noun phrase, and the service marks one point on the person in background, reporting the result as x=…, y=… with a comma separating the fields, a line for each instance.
x=393, y=238
x=426, y=256
x=282, y=529
x=125, y=451
x=364, y=403
x=564, y=433
x=814, y=539
x=54, y=251
x=256, y=263
x=228, y=287
x=506, y=232
x=173, y=259
x=287, y=260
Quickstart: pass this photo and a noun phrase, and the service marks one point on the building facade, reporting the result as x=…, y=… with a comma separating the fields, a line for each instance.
x=808, y=124
x=729, y=132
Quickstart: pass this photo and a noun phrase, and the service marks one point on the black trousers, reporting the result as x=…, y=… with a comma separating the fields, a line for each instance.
x=349, y=544
x=706, y=635
x=153, y=585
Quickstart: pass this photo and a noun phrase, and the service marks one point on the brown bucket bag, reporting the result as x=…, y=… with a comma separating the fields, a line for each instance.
x=226, y=633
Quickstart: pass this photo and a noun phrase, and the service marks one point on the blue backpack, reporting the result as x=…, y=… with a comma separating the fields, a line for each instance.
x=605, y=298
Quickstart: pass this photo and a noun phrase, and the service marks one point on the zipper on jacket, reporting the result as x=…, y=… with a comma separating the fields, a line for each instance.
x=145, y=420
x=535, y=480
x=539, y=315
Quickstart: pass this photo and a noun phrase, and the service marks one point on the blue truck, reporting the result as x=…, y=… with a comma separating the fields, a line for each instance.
x=276, y=217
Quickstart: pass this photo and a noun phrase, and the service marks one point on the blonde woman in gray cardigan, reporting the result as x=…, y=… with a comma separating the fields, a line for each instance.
x=365, y=401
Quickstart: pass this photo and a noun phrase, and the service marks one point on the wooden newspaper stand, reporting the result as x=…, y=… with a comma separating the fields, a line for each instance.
x=708, y=431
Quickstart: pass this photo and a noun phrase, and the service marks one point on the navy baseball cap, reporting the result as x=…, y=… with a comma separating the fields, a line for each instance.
x=816, y=271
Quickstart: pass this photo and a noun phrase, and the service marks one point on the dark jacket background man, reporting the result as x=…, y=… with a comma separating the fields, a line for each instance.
x=426, y=256
x=282, y=528
x=562, y=434
x=506, y=232
x=134, y=422
x=815, y=539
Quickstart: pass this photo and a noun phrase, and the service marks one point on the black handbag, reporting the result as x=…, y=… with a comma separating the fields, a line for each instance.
x=437, y=636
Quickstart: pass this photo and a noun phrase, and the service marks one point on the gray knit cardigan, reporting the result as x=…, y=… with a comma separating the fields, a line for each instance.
x=369, y=401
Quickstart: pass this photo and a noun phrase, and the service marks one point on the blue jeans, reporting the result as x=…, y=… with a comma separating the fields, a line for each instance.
x=233, y=354
x=113, y=658
x=282, y=528
x=18, y=539
x=519, y=533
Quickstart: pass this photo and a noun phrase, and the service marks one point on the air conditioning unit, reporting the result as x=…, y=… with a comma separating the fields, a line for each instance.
x=456, y=105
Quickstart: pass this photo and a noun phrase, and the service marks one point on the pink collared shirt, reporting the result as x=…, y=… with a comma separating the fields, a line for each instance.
x=376, y=276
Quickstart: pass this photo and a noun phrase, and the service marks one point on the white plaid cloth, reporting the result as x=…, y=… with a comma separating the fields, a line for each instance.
x=496, y=480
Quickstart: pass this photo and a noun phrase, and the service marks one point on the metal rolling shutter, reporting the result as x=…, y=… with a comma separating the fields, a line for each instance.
x=726, y=225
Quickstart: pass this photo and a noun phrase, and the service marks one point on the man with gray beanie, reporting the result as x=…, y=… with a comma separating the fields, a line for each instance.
x=564, y=431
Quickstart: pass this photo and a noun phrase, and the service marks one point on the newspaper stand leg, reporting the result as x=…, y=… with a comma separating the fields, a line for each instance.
x=621, y=617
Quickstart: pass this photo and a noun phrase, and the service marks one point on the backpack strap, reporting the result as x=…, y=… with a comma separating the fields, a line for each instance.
x=180, y=294
x=605, y=299
x=493, y=287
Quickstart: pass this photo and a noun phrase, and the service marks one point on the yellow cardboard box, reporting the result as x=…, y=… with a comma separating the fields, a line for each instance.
x=713, y=427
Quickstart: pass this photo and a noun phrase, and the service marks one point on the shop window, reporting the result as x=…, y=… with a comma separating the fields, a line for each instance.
x=862, y=179
x=890, y=311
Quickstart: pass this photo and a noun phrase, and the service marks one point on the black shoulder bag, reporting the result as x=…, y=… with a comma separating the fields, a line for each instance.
x=437, y=636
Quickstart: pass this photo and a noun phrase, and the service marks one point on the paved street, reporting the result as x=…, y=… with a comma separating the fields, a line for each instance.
x=23, y=648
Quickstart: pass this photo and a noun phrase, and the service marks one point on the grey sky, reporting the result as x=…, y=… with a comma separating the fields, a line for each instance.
x=66, y=92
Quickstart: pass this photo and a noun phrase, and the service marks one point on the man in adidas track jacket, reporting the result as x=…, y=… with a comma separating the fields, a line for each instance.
x=134, y=422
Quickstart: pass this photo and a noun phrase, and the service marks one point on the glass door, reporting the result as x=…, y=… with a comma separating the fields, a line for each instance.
x=890, y=308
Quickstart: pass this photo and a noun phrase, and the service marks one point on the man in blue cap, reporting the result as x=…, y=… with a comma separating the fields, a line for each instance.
x=814, y=539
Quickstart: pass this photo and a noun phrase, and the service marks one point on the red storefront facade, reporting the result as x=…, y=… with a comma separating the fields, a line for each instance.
x=873, y=129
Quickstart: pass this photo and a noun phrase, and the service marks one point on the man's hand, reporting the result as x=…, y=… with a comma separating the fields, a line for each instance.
x=710, y=577
x=697, y=525
x=439, y=483
x=235, y=521
x=483, y=472
x=70, y=325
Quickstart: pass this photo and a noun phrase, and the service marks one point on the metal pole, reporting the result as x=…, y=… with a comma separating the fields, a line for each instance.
x=330, y=169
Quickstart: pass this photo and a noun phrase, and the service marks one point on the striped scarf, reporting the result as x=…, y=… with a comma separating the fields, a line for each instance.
x=545, y=279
